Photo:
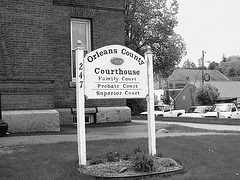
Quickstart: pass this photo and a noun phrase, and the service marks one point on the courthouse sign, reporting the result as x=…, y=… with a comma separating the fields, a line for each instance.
x=115, y=72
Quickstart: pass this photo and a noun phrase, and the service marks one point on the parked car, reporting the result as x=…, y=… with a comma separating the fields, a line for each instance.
x=3, y=128
x=165, y=110
x=223, y=110
x=196, y=111
x=238, y=106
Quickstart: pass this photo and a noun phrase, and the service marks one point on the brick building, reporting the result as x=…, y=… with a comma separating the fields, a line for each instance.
x=37, y=39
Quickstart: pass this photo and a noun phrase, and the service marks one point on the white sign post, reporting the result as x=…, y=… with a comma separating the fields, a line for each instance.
x=150, y=104
x=80, y=104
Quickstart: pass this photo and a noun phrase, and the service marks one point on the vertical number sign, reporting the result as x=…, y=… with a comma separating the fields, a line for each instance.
x=80, y=105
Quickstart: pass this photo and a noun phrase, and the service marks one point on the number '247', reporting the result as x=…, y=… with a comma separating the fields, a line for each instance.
x=81, y=75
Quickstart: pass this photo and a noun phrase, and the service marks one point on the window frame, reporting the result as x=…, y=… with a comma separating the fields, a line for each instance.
x=87, y=23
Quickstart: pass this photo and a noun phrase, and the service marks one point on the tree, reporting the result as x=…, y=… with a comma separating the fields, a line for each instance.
x=231, y=72
x=213, y=65
x=206, y=95
x=166, y=99
x=230, y=66
x=152, y=23
x=224, y=59
x=137, y=105
x=188, y=64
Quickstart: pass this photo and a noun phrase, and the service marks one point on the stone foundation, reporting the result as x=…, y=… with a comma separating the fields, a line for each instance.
x=65, y=116
x=101, y=114
x=113, y=114
x=31, y=121
x=23, y=121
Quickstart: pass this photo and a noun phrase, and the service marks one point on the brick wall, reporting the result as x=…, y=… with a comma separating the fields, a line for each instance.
x=115, y=5
x=107, y=28
x=28, y=34
x=27, y=94
x=5, y=51
x=36, y=45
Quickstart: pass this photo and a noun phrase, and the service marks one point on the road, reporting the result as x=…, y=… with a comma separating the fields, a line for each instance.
x=134, y=129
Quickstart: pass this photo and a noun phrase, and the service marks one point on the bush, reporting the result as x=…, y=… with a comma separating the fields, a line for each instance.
x=132, y=153
x=141, y=161
x=109, y=157
x=137, y=105
x=112, y=156
x=206, y=95
x=96, y=161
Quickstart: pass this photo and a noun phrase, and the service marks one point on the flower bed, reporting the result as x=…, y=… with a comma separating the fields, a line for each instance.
x=133, y=164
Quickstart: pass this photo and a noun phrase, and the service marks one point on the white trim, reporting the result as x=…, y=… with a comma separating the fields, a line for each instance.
x=88, y=39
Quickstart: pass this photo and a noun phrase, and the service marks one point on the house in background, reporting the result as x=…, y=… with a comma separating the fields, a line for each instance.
x=182, y=84
x=185, y=99
x=37, y=67
x=181, y=77
x=228, y=92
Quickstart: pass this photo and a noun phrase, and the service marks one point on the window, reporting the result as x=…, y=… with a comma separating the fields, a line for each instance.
x=87, y=119
x=167, y=109
x=234, y=109
x=80, y=30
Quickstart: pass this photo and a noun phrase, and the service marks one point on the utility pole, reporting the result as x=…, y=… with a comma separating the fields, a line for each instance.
x=203, y=52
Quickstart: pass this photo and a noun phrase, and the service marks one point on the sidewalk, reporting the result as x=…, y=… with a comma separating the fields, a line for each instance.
x=134, y=129
x=218, y=127
x=69, y=134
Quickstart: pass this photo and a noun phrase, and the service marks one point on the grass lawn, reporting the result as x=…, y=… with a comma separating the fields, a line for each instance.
x=203, y=157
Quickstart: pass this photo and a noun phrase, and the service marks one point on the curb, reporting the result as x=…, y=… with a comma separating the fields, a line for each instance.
x=136, y=177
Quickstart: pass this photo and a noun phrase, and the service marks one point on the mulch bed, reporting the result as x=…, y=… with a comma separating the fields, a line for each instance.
x=124, y=168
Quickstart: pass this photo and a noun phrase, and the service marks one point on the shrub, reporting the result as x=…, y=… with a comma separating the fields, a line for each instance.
x=206, y=95
x=132, y=153
x=96, y=161
x=109, y=157
x=137, y=105
x=143, y=162
x=112, y=156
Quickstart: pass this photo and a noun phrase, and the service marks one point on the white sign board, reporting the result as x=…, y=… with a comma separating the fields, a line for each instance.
x=115, y=72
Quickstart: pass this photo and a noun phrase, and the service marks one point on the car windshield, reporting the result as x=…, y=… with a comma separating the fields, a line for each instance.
x=197, y=109
x=191, y=109
x=221, y=107
x=159, y=108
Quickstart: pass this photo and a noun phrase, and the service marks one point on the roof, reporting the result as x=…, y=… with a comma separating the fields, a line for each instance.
x=193, y=75
x=227, y=89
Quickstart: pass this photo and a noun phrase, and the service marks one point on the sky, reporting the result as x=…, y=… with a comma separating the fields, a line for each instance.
x=212, y=26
